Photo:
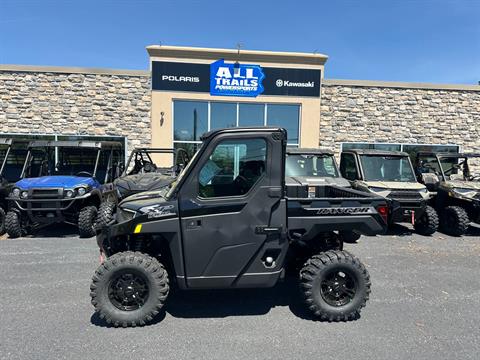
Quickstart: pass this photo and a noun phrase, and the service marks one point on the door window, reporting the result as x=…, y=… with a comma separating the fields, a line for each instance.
x=233, y=168
x=348, y=167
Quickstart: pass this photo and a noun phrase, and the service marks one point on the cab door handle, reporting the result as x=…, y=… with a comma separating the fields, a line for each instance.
x=194, y=224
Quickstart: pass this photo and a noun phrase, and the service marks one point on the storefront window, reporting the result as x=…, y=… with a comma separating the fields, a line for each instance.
x=191, y=120
x=251, y=115
x=285, y=116
x=223, y=115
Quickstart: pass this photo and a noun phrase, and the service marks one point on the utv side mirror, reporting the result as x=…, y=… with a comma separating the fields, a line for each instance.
x=431, y=181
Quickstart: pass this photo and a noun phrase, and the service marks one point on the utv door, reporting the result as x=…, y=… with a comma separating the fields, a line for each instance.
x=232, y=213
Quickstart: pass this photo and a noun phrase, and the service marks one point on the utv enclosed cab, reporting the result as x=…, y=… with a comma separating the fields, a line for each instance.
x=457, y=189
x=229, y=222
x=63, y=181
x=391, y=175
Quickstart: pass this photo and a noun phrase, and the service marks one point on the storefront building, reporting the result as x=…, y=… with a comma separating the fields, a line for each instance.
x=195, y=90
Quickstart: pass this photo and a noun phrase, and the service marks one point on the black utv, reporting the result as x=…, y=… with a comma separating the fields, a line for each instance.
x=142, y=174
x=456, y=188
x=230, y=221
x=12, y=157
x=63, y=181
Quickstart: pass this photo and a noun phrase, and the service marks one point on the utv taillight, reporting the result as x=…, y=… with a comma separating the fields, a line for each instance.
x=383, y=211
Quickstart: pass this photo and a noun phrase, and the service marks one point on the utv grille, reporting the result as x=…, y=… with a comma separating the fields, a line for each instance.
x=46, y=193
x=405, y=195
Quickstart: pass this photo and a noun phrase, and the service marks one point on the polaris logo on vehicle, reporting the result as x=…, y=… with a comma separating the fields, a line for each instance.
x=343, y=211
x=235, y=79
x=286, y=83
x=191, y=79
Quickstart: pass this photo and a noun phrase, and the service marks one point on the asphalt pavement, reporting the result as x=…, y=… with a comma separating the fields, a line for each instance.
x=425, y=304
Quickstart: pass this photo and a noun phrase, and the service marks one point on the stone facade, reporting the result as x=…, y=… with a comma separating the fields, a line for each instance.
x=399, y=115
x=76, y=104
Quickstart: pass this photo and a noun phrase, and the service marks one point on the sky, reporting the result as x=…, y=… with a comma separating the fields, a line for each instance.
x=434, y=41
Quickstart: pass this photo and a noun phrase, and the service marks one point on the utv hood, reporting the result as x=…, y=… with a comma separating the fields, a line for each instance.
x=316, y=181
x=67, y=182
x=474, y=185
x=397, y=185
x=143, y=182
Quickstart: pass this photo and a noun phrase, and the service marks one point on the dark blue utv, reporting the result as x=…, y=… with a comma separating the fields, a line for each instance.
x=64, y=182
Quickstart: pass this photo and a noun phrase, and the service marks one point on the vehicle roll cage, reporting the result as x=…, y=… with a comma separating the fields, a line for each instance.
x=439, y=156
x=54, y=145
x=141, y=152
x=8, y=143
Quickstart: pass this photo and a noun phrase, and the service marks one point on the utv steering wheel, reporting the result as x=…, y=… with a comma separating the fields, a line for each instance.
x=241, y=184
x=84, y=174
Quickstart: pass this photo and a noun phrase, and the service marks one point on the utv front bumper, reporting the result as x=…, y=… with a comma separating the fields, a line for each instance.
x=47, y=210
x=401, y=211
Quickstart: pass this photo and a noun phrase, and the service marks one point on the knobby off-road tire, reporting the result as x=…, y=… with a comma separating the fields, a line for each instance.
x=105, y=214
x=349, y=237
x=2, y=221
x=13, y=225
x=428, y=223
x=455, y=221
x=86, y=221
x=335, y=285
x=129, y=289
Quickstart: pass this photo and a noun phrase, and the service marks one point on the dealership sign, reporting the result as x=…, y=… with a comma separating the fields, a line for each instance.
x=234, y=79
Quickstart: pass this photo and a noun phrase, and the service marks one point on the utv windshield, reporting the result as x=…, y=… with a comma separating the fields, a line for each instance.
x=70, y=161
x=387, y=168
x=311, y=165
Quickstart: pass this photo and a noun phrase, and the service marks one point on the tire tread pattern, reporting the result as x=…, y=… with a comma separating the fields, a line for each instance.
x=314, y=266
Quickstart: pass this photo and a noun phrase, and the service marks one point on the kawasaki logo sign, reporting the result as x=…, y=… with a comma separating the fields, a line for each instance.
x=235, y=79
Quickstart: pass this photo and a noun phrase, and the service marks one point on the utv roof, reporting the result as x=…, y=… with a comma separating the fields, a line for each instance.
x=311, y=151
x=260, y=129
x=450, y=155
x=155, y=150
x=5, y=141
x=375, y=152
x=76, y=143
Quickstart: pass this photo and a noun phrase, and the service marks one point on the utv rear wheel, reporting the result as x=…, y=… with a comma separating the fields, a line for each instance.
x=86, y=221
x=2, y=221
x=349, y=236
x=105, y=214
x=335, y=285
x=427, y=224
x=455, y=221
x=13, y=225
x=129, y=289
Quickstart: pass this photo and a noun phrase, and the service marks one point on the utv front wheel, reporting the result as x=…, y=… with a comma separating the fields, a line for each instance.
x=335, y=285
x=86, y=221
x=13, y=225
x=105, y=214
x=427, y=224
x=129, y=289
x=455, y=221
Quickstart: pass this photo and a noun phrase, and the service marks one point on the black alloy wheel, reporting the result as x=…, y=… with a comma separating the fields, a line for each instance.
x=128, y=291
x=338, y=288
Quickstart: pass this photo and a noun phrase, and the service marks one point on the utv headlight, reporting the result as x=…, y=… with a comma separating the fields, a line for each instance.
x=423, y=191
x=16, y=192
x=465, y=192
x=81, y=191
x=24, y=194
x=69, y=194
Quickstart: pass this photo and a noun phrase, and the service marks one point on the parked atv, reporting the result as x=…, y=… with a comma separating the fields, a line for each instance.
x=457, y=190
x=390, y=174
x=12, y=157
x=143, y=174
x=228, y=222
x=316, y=167
x=63, y=181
